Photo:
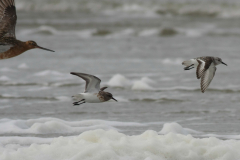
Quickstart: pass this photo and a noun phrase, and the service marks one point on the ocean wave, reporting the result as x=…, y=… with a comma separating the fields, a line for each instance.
x=8, y=96
x=53, y=74
x=208, y=30
x=159, y=100
x=48, y=30
x=175, y=142
x=57, y=126
x=121, y=81
x=149, y=8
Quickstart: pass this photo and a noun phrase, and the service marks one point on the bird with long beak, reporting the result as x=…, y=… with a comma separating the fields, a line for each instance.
x=93, y=93
x=9, y=45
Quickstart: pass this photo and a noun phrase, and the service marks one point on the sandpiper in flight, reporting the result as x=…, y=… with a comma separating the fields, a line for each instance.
x=206, y=68
x=93, y=93
x=9, y=45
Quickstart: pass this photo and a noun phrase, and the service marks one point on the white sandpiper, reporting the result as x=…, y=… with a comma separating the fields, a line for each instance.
x=206, y=68
x=92, y=93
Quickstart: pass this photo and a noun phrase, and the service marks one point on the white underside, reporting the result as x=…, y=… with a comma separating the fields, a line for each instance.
x=190, y=62
x=89, y=97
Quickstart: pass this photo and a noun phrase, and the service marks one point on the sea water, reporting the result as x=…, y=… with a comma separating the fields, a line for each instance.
x=136, y=48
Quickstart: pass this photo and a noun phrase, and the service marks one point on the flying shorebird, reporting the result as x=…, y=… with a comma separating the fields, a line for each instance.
x=93, y=93
x=9, y=45
x=206, y=68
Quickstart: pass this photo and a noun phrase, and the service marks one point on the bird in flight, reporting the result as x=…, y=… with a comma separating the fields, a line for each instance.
x=93, y=93
x=9, y=45
x=206, y=68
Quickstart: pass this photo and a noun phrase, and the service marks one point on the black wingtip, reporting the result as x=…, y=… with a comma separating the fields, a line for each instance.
x=74, y=73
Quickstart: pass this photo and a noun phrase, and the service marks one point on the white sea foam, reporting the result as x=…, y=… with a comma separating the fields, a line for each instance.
x=101, y=145
x=119, y=80
x=176, y=128
x=175, y=142
x=54, y=125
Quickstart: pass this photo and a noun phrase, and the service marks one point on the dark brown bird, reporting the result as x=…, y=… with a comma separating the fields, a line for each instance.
x=9, y=45
x=93, y=93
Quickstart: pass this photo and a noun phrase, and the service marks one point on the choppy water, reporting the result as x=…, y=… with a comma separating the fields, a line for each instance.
x=136, y=48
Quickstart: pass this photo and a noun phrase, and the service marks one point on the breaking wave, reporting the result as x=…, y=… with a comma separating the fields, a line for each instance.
x=136, y=7
x=131, y=32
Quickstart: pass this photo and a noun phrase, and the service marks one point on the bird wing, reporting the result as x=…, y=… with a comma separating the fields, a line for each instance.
x=5, y=47
x=207, y=77
x=203, y=65
x=8, y=18
x=92, y=82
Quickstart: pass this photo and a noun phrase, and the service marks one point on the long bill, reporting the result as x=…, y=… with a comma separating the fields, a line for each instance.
x=114, y=99
x=224, y=63
x=45, y=49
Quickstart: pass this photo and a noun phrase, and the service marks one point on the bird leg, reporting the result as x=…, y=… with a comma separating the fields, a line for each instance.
x=79, y=102
x=189, y=67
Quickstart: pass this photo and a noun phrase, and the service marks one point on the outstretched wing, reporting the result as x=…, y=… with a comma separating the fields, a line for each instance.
x=92, y=82
x=203, y=65
x=207, y=77
x=8, y=18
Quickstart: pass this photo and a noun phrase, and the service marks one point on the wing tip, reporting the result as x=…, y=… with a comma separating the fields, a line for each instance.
x=74, y=73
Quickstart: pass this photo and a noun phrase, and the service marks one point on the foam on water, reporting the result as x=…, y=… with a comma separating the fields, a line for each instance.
x=54, y=125
x=119, y=80
x=110, y=144
x=176, y=128
x=106, y=142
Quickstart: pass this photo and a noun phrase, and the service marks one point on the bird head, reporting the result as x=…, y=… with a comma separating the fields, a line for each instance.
x=110, y=96
x=32, y=45
x=219, y=61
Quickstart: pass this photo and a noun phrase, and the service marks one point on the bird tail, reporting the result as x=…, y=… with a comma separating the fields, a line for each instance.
x=77, y=97
x=187, y=63
x=190, y=64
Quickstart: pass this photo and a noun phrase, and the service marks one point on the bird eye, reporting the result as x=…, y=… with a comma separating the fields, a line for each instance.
x=32, y=43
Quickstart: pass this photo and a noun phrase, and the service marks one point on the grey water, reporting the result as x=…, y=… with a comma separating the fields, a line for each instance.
x=135, y=42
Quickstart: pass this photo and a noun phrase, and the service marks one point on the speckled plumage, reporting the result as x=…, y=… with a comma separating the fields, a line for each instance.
x=9, y=45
